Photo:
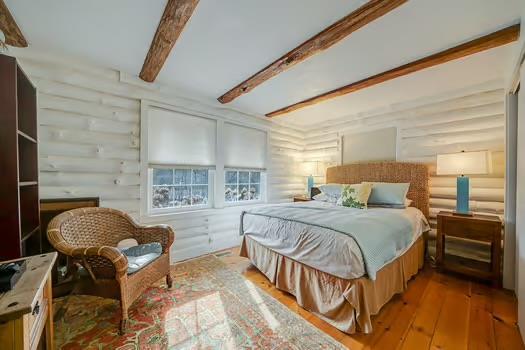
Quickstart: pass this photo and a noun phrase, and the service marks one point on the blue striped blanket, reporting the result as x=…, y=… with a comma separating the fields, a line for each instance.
x=379, y=234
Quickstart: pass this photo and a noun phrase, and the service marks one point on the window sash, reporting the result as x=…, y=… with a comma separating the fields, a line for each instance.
x=174, y=185
x=237, y=186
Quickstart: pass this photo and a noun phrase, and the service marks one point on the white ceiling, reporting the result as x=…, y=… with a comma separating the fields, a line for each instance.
x=226, y=41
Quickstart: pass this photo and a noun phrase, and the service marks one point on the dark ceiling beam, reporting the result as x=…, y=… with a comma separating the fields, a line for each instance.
x=13, y=34
x=495, y=39
x=320, y=42
x=175, y=16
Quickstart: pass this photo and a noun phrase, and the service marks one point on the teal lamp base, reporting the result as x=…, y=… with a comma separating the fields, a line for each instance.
x=462, y=196
x=310, y=185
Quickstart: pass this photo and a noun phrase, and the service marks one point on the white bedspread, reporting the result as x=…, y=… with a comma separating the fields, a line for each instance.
x=321, y=248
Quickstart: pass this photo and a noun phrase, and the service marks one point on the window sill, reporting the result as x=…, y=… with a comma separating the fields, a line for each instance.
x=243, y=203
x=197, y=212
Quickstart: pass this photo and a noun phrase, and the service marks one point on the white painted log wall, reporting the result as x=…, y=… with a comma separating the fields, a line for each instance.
x=89, y=145
x=89, y=134
x=471, y=122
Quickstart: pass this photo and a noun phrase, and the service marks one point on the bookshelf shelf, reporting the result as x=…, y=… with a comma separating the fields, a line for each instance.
x=27, y=183
x=25, y=136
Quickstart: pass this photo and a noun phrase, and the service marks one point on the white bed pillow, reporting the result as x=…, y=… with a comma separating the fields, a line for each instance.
x=321, y=197
x=386, y=193
x=355, y=196
x=331, y=191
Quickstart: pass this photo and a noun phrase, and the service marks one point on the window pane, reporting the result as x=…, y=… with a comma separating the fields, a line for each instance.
x=255, y=177
x=199, y=195
x=200, y=177
x=163, y=176
x=244, y=177
x=182, y=176
x=230, y=193
x=230, y=177
x=255, y=192
x=175, y=188
x=244, y=193
x=162, y=197
x=181, y=196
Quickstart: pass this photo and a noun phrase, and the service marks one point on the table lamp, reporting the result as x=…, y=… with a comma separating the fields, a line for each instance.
x=311, y=169
x=463, y=163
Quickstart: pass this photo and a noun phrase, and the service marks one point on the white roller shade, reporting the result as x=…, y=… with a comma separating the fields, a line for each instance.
x=244, y=147
x=180, y=139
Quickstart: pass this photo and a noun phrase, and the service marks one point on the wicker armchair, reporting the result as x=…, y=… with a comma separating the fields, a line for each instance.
x=90, y=236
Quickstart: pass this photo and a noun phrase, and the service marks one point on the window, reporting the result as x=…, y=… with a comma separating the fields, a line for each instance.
x=179, y=188
x=185, y=167
x=244, y=163
x=242, y=185
x=181, y=160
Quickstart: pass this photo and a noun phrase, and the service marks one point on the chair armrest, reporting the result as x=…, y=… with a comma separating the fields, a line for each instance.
x=115, y=257
x=163, y=234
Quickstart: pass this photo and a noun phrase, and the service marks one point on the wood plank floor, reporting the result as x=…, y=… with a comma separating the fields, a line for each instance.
x=437, y=311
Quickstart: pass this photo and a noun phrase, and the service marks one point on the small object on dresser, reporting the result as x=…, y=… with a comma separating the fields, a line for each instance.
x=10, y=273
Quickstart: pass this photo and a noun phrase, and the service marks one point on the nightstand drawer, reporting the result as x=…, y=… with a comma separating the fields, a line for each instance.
x=481, y=231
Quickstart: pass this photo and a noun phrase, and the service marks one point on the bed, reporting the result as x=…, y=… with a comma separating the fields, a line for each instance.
x=313, y=250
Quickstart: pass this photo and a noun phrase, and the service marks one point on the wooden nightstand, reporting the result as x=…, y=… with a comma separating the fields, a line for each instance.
x=483, y=228
x=301, y=199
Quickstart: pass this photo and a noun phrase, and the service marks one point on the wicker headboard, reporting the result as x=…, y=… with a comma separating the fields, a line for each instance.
x=416, y=174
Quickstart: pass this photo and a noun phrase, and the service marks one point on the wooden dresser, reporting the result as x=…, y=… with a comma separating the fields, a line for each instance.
x=27, y=310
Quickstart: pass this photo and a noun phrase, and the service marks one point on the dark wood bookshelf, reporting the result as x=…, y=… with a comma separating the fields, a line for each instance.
x=19, y=199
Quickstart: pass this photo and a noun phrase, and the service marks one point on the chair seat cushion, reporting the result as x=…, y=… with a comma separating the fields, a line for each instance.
x=141, y=255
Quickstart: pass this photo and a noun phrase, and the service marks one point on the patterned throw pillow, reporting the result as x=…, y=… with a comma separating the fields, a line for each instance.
x=355, y=196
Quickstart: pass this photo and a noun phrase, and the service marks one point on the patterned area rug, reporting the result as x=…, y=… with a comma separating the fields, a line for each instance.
x=209, y=307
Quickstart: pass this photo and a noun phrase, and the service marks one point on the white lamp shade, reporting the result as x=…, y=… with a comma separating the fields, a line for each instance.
x=312, y=168
x=464, y=163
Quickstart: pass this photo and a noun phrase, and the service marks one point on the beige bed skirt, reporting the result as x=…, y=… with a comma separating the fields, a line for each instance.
x=347, y=304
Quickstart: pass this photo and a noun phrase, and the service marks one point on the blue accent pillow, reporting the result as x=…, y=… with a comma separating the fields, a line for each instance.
x=143, y=249
x=388, y=193
x=141, y=255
